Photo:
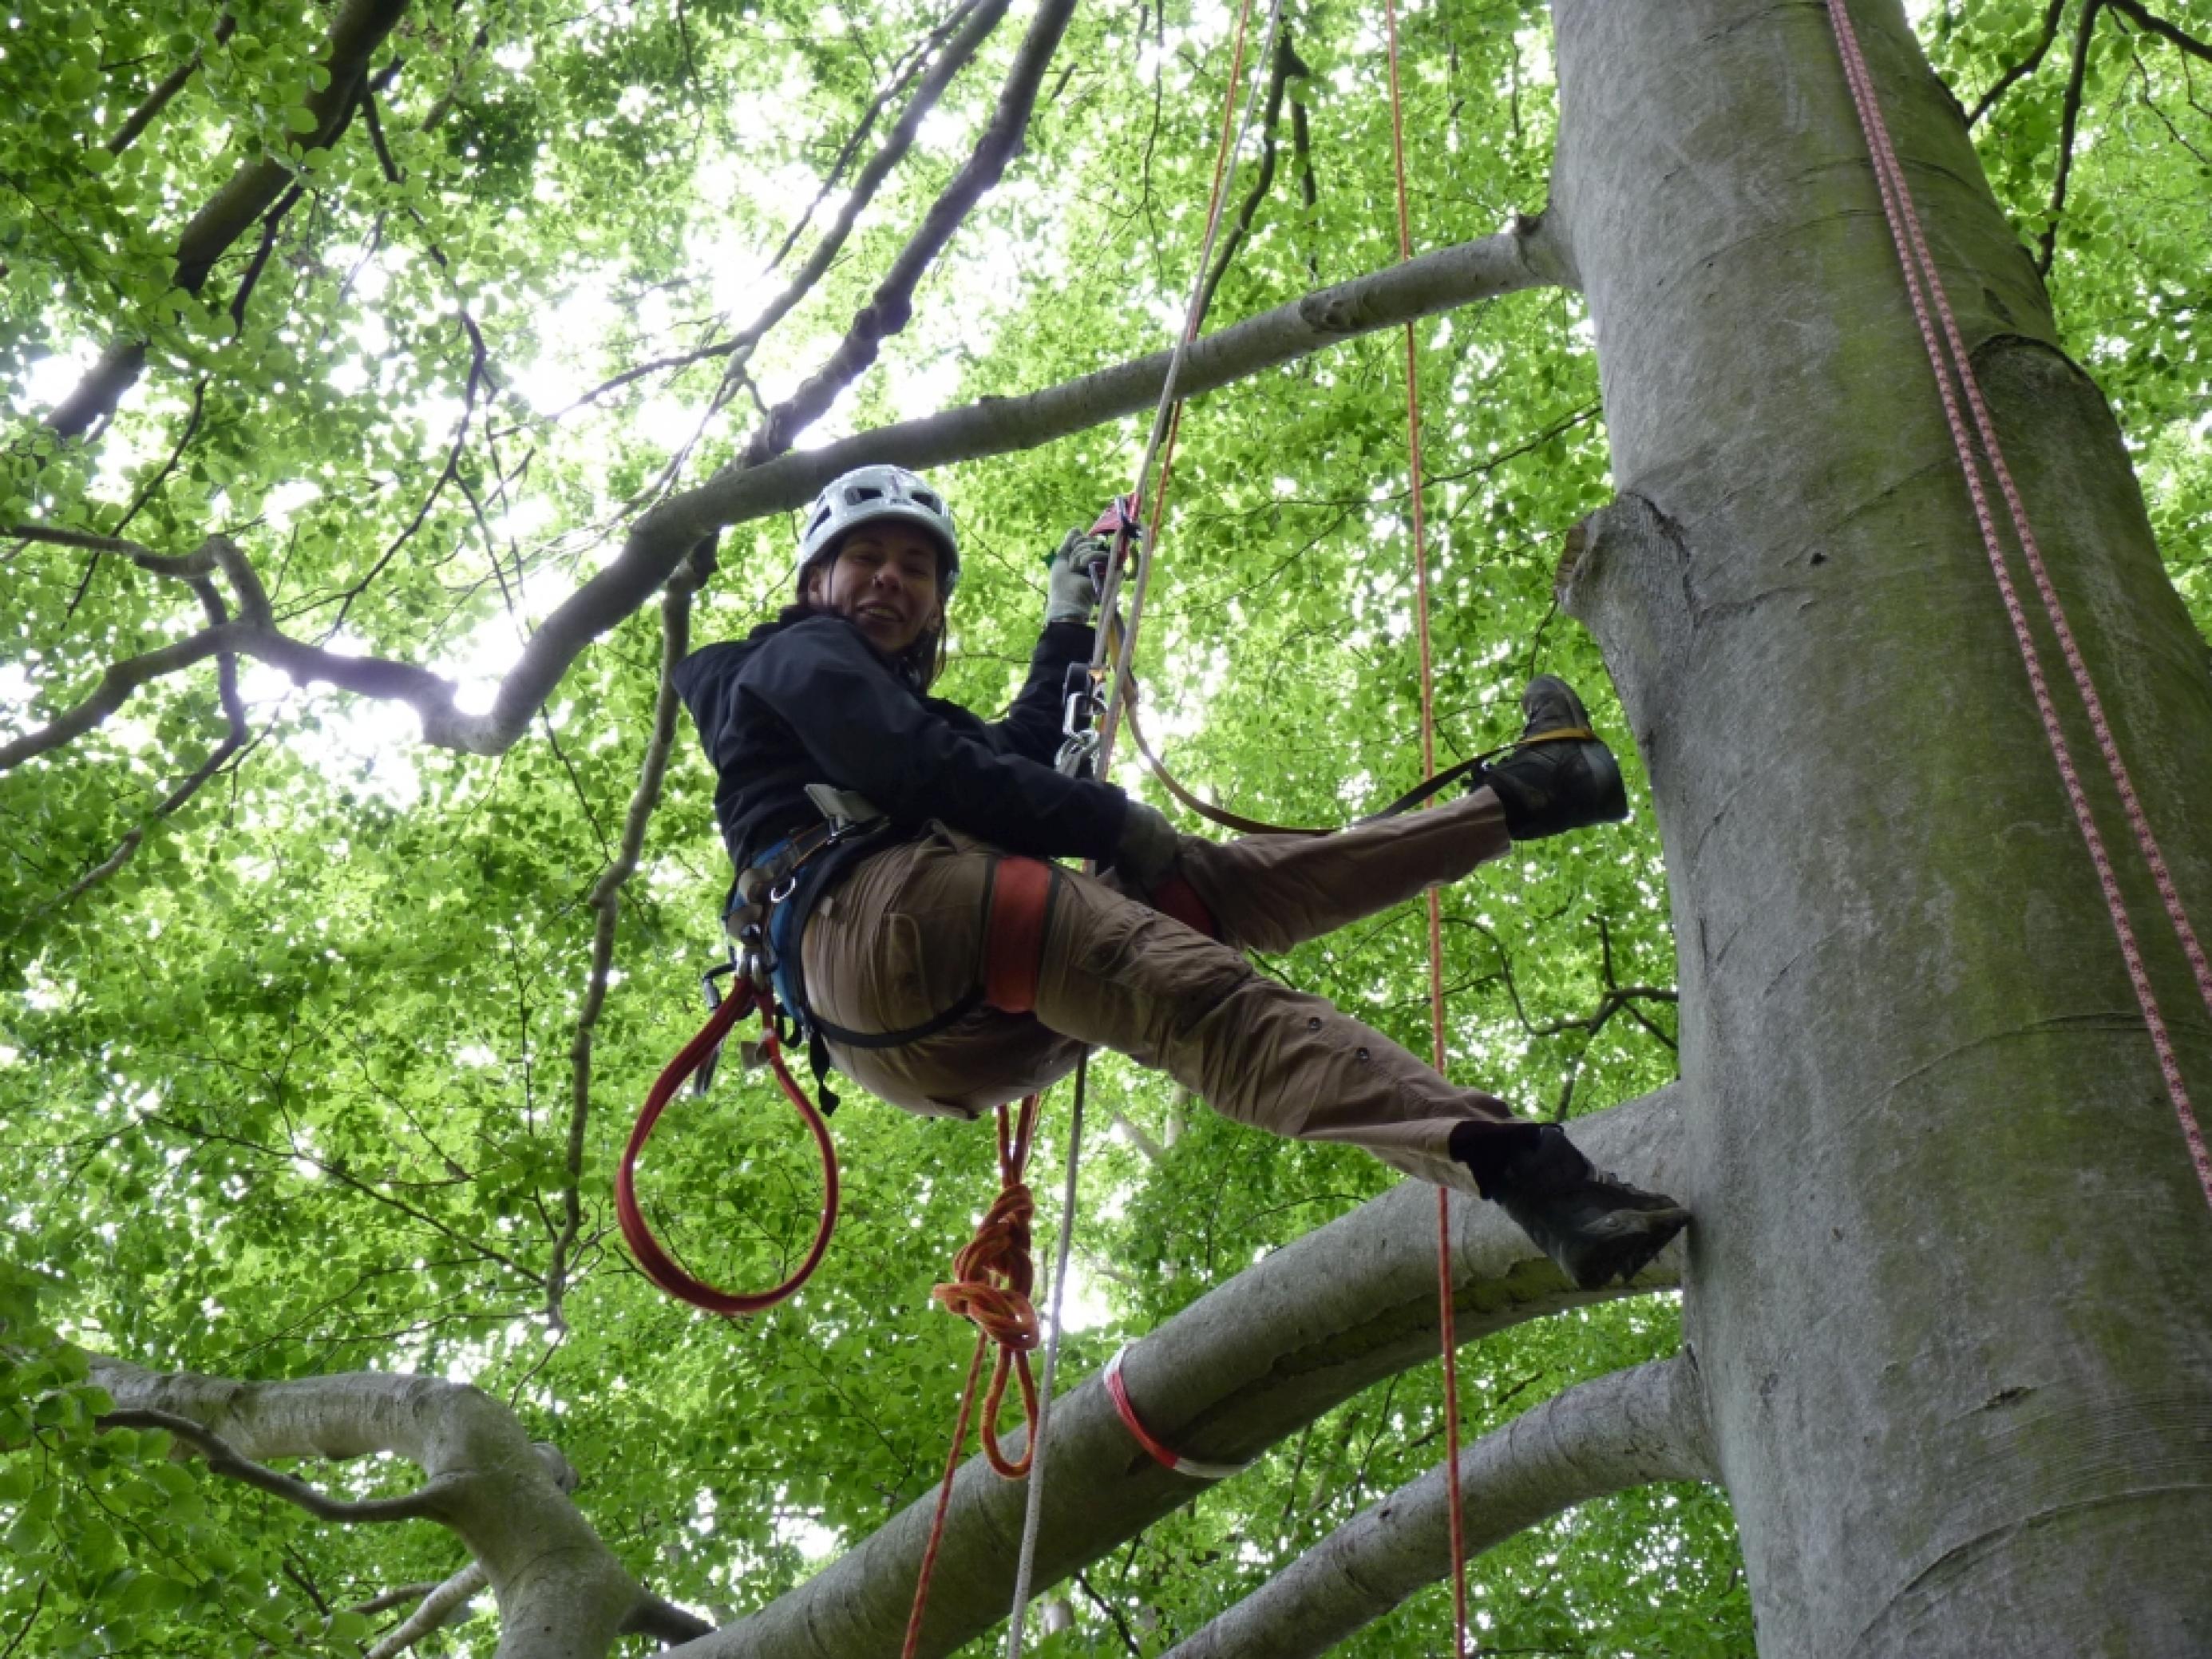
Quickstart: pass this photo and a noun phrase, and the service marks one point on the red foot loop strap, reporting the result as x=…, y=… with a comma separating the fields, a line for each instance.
x=1014, y=941
x=991, y=1281
x=1118, y=1391
x=1176, y=899
x=654, y=1261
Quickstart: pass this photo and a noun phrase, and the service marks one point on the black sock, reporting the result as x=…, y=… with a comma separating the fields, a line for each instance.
x=1486, y=1145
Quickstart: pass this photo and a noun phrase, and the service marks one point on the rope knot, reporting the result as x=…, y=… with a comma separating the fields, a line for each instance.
x=991, y=1281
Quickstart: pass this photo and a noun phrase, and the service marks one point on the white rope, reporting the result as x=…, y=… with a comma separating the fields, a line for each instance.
x=1033, y=1516
x=1110, y=719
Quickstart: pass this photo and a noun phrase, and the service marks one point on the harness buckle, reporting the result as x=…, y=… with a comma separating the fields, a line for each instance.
x=844, y=810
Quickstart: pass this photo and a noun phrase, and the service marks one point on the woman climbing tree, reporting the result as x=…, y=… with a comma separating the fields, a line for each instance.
x=869, y=822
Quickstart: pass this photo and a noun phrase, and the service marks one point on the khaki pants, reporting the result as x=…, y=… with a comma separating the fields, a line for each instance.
x=901, y=938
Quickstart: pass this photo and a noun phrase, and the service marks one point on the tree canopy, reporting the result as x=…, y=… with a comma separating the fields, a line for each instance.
x=371, y=332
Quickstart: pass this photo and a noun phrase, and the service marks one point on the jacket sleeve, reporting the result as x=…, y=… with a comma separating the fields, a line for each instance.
x=868, y=731
x=1032, y=726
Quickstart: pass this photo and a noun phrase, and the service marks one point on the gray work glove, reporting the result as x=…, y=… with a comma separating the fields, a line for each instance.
x=1077, y=570
x=1146, y=852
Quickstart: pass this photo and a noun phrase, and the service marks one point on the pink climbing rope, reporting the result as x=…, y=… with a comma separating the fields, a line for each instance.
x=1947, y=354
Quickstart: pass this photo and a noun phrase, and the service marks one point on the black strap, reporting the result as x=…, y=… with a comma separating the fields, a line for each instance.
x=1428, y=787
x=929, y=1028
x=819, y=1028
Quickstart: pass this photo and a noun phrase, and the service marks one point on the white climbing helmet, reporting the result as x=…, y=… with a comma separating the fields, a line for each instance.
x=868, y=493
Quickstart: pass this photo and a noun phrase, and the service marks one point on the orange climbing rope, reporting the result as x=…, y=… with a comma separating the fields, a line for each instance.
x=1446, y=1320
x=992, y=1277
x=1957, y=382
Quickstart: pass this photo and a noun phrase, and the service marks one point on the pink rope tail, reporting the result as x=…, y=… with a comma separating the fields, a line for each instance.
x=1955, y=381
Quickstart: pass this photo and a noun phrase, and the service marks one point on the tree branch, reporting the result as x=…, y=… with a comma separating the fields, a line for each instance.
x=2153, y=24
x=2069, y=118
x=896, y=143
x=1223, y=1380
x=1287, y=64
x=426, y=1502
x=158, y=99
x=1521, y=257
x=438, y=1606
x=398, y=1596
x=901, y=78
x=272, y=223
x=889, y=307
x=360, y=28
x=562, y=1594
x=606, y=901
x=1626, y=1430
x=654, y=1617
x=2026, y=67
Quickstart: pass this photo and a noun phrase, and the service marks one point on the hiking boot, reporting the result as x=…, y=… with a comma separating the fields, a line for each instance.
x=1548, y=787
x=1596, y=1228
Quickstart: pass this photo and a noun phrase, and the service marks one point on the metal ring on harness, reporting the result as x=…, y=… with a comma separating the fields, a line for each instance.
x=654, y=1261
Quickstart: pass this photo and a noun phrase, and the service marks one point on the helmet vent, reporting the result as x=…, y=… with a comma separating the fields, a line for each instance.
x=854, y=497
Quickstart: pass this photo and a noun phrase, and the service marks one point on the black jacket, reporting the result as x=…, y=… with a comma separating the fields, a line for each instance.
x=809, y=700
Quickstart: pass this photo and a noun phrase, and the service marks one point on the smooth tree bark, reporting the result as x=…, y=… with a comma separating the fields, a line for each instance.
x=561, y=1593
x=1946, y=1285
x=1249, y=1365
x=1245, y=1366
x=1944, y=1289
x=1628, y=1428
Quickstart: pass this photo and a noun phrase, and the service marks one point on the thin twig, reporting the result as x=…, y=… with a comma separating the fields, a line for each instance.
x=2151, y=23
x=2026, y=67
x=158, y=99
x=2070, y=118
x=1128, y=1637
x=606, y=901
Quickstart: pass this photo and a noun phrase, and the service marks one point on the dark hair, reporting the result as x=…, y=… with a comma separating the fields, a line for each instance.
x=921, y=663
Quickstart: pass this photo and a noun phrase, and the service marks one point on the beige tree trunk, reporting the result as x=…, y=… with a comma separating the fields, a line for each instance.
x=1947, y=1285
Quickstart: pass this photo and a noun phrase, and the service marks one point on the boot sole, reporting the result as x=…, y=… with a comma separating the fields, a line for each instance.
x=1631, y=1239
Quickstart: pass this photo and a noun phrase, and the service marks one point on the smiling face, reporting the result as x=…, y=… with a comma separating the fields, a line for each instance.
x=884, y=578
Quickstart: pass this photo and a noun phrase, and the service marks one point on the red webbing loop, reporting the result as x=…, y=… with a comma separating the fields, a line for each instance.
x=991, y=1281
x=1177, y=900
x=1013, y=940
x=1948, y=358
x=652, y=1259
x=1117, y=1390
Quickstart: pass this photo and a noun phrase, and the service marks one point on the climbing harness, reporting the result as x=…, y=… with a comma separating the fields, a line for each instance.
x=1957, y=382
x=1018, y=911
